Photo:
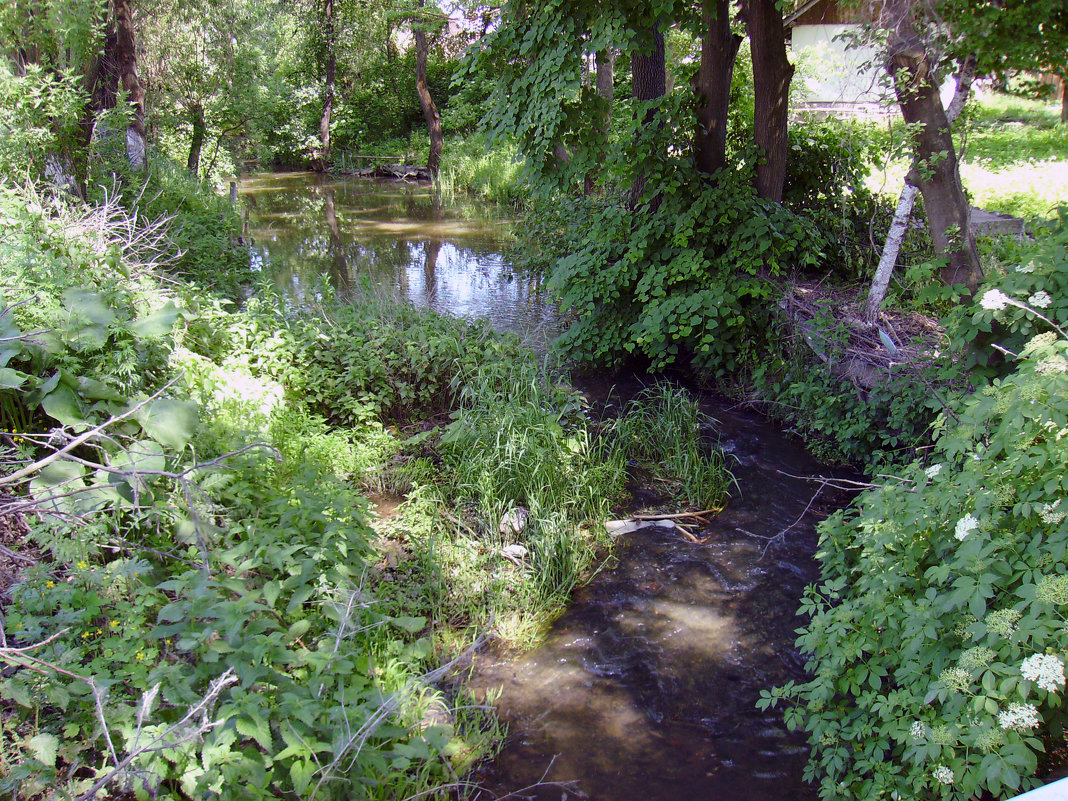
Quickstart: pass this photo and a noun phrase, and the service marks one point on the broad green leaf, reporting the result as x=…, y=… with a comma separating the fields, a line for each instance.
x=58, y=474
x=144, y=454
x=89, y=306
x=409, y=624
x=159, y=323
x=169, y=422
x=44, y=748
x=256, y=727
x=63, y=405
x=12, y=379
x=301, y=772
x=92, y=389
x=7, y=354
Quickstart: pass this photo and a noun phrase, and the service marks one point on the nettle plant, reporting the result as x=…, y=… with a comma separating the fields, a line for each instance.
x=938, y=635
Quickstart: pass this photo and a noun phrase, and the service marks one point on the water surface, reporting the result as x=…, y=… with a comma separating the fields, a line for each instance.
x=362, y=235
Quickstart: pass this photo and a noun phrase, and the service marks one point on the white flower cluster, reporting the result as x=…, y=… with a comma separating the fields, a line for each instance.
x=933, y=470
x=918, y=729
x=1045, y=670
x=1051, y=516
x=943, y=775
x=1026, y=268
x=1019, y=717
x=994, y=300
x=965, y=526
x=1040, y=299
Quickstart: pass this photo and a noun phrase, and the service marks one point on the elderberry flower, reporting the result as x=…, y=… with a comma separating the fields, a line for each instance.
x=994, y=300
x=1045, y=670
x=1050, y=514
x=975, y=658
x=1053, y=590
x=1003, y=622
x=943, y=775
x=965, y=526
x=1041, y=299
x=1018, y=717
x=933, y=470
x=918, y=729
x=955, y=679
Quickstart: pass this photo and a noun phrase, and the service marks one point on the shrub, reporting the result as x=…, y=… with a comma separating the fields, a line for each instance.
x=935, y=638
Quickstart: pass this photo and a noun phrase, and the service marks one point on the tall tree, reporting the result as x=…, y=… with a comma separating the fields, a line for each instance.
x=719, y=48
x=426, y=101
x=913, y=67
x=329, y=24
x=648, y=70
x=125, y=58
x=772, y=73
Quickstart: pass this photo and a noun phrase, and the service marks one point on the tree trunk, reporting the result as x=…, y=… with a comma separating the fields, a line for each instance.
x=772, y=73
x=713, y=85
x=606, y=90
x=330, y=42
x=430, y=110
x=339, y=273
x=196, y=144
x=1064, y=99
x=934, y=163
x=125, y=61
x=649, y=79
x=896, y=235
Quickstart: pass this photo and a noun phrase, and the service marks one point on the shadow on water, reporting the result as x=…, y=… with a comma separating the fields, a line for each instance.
x=390, y=237
x=646, y=687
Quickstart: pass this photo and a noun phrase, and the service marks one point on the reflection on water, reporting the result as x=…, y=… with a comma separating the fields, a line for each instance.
x=380, y=236
x=645, y=689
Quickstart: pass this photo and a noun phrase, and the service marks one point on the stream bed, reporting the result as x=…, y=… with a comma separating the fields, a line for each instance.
x=645, y=688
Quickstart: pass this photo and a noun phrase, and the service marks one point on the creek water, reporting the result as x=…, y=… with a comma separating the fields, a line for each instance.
x=646, y=687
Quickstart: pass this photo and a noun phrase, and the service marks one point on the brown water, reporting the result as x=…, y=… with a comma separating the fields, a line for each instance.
x=358, y=235
x=645, y=689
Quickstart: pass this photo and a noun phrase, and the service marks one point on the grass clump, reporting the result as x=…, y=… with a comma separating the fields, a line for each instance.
x=664, y=429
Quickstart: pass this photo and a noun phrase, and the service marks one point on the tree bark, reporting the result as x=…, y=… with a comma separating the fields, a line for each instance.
x=125, y=60
x=648, y=71
x=430, y=109
x=772, y=73
x=934, y=165
x=896, y=235
x=196, y=143
x=1064, y=99
x=330, y=43
x=606, y=90
x=719, y=47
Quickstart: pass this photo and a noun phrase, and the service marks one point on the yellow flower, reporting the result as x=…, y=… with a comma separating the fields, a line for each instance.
x=85, y=634
x=113, y=623
x=140, y=654
x=99, y=631
x=50, y=584
x=82, y=564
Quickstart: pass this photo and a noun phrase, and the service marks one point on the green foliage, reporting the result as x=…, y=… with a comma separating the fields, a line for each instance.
x=1035, y=287
x=687, y=278
x=941, y=598
x=493, y=174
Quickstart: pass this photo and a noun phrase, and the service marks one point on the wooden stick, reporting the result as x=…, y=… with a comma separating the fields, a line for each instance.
x=678, y=515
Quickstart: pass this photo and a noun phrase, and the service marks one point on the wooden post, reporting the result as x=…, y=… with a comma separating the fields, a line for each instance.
x=233, y=192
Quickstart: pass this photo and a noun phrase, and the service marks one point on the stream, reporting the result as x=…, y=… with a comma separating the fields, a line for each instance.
x=646, y=687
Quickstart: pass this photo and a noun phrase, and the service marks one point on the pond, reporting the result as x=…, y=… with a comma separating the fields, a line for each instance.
x=646, y=687
x=360, y=235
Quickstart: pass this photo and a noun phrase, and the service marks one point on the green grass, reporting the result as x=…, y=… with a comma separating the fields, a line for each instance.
x=1014, y=156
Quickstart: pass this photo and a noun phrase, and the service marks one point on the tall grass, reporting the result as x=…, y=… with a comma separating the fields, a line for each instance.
x=662, y=428
x=471, y=169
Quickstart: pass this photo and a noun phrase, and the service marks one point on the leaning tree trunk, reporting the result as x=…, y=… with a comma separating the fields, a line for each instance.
x=934, y=163
x=125, y=61
x=719, y=47
x=196, y=144
x=1064, y=99
x=330, y=42
x=896, y=235
x=772, y=73
x=648, y=70
x=430, y=109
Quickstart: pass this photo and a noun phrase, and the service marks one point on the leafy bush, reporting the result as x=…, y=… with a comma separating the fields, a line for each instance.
x=935, y=639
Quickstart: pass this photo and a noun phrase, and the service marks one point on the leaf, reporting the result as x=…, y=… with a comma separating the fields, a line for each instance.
x=44, y=748
x=169, y=422
x=57, y=475
x=63, y=405
x=256, y=727
x=89, y=306
x=159, y=323
x=144, y=454
x=298, y=629
x=301, y=772
x=12, y=379
x=409, y=624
